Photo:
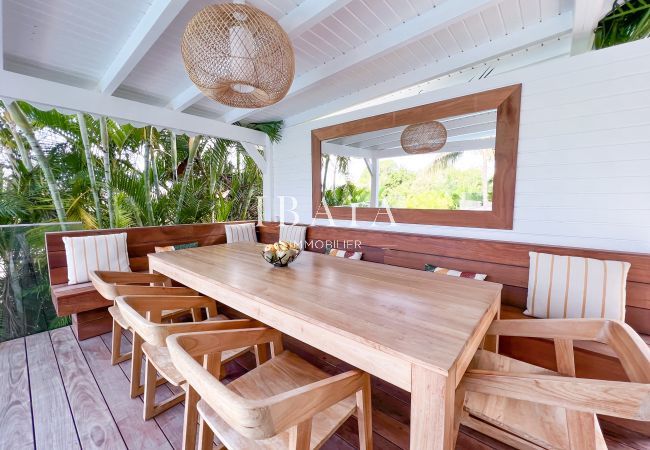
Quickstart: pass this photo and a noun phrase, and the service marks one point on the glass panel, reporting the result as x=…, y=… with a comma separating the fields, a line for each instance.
x=25, y=303
x=457, y=176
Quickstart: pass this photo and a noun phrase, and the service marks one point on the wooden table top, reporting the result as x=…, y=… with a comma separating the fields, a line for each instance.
x=425, y=318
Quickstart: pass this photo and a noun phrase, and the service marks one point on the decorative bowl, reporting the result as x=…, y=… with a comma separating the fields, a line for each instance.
x=281, y=254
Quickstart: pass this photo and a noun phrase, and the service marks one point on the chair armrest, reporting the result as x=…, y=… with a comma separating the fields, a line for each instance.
x=161, y=302
x=298, y=405
x=575, y=329
x=211, y=325
x=208, y=342
x=112, y=277
x=612, y=398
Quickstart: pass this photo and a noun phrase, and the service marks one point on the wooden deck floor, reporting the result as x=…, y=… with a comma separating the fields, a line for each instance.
x=58, y=393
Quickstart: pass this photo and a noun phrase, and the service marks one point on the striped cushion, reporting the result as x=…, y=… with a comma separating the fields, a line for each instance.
x=99, y=252
x=574, y=287
x=454, y=273
x=244, y=232
x=293, y=233
x=171, y=248
x=344, y=253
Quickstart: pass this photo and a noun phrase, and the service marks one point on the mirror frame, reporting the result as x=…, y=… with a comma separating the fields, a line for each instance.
x=507, y=102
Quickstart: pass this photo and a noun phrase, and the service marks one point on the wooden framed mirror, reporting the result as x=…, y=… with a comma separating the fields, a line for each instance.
x=369, y=167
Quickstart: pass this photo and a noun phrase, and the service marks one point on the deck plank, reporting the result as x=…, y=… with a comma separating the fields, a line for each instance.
x=170, y=421
x=15, y=404
x=54, y=426
x=95, y=424
x=126, y=411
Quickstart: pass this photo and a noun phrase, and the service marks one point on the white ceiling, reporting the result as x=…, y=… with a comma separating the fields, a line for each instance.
x=347, y=51
x=465, y=132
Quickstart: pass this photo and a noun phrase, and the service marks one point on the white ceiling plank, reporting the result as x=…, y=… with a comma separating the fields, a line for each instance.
x=586, y=15
x=186, y=99
x=153, y=24
x=433, y=20
x=345, y=150
x=296, y=22
x=548, y=29
x=308, y=14
x=450, y=147
x=48, y=93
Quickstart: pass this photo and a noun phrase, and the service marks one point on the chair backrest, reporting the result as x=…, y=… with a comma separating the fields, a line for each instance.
x=631, y=350
x=293, y=233
x=244, y=232
x=113, y=284
x=565, y=405
x=259, y=418
x=144, y=313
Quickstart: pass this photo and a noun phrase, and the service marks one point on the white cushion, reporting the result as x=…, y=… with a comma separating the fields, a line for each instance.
x=293, y=233
x=561, y=287
x=244, y=232
x=99, y=252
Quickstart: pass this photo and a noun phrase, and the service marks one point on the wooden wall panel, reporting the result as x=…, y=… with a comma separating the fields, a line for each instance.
x=504, y=262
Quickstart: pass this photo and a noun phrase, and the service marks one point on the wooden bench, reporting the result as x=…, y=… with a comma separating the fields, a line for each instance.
x=88, y=309
x=505, y=263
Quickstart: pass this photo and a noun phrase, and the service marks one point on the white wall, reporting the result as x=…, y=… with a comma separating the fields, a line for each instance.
x=583, y=172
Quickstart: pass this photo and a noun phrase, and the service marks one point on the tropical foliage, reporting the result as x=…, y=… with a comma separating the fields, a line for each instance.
x=438, y=185
x=626, y=22
x=61, y=169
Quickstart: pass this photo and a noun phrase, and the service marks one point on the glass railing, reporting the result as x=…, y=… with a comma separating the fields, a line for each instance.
x=25, y=301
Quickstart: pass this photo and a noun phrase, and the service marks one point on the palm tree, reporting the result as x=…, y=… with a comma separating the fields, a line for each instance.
x=83, y=130
x=110, y=205
x=193, y=148
x=18, y=117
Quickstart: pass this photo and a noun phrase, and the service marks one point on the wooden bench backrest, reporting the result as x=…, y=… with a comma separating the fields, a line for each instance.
x=504, y=262
x=140, y=242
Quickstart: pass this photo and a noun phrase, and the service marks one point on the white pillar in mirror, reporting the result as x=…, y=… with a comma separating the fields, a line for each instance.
x=374, y=182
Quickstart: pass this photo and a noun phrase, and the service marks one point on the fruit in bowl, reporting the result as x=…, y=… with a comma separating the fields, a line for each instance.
x=281, y=253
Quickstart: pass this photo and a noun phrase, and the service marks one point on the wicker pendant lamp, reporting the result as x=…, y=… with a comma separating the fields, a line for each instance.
x=238, y=55
x=424, y=137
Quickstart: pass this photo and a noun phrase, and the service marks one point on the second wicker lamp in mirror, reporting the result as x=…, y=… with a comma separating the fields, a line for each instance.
x=424, y=137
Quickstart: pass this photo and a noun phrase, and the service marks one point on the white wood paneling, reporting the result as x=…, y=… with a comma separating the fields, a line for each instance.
x=584, y=153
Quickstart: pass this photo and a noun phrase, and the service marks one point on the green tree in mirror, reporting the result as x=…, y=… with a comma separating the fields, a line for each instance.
x=627, y=21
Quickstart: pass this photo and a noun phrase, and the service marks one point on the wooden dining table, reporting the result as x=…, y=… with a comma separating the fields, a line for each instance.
x=417, y=330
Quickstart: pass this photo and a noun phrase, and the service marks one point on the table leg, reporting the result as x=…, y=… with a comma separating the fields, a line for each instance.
x=432, y=410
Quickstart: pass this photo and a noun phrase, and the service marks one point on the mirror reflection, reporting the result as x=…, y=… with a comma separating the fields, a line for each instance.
x=446, y=164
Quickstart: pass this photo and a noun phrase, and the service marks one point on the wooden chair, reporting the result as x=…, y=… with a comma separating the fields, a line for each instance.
x=143, y=314
x=111, y=285
x=530, y=407
x=285, y=403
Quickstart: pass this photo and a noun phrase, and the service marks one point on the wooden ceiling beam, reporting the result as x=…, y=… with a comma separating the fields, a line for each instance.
x=44, y=93
x=156, y=20
x=586, y=15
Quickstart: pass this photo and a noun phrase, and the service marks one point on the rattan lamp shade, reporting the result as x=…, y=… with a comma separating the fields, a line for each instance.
x=238, y=55
x=423, y=138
